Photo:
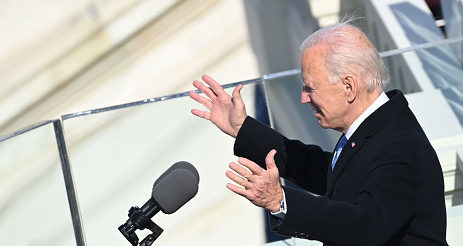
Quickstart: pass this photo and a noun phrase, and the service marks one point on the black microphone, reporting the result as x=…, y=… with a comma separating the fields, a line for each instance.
x=175, y=187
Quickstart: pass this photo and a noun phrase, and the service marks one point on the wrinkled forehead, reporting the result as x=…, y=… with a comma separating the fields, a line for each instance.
x=313, y=60
x=314, y=55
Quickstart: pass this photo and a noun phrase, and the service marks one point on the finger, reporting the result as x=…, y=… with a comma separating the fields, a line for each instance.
x=237, y=179
x=215, y=87
x=270, y=160
x=204, y=101
x=238, y=190
x=255, y=169
x=241, y=171
x=237, y=94
x=201, y=114
x=204, y=89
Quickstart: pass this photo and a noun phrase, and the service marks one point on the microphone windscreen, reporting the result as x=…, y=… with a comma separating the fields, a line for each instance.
x=175, y=188
x=181, y=164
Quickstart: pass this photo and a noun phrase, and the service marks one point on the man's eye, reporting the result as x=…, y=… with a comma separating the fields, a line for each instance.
x=305, y=88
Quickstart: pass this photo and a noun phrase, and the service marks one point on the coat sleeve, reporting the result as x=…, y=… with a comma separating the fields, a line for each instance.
x=304, y=165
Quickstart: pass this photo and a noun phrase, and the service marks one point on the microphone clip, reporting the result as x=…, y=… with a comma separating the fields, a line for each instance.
x=138, y=220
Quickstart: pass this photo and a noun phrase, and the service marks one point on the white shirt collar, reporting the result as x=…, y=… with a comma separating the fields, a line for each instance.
x=382, y=99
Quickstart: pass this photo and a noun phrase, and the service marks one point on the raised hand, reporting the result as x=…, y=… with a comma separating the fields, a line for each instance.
x=227, y=113
x=261, y=187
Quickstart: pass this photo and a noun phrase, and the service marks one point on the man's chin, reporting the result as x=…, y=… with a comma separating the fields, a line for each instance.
x=322, y=123
x=324, y=126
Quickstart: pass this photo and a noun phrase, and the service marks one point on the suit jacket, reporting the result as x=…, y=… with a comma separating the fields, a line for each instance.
x=387, y=186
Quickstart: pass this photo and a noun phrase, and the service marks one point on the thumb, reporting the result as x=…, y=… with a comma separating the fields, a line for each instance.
x=270, y=160
x=237, y=95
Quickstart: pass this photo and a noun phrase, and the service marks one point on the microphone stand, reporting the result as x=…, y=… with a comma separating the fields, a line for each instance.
x=139, y=218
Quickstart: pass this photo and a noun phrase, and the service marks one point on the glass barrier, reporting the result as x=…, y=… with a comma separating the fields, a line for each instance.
x=118, y=153
x=430, y=76
x=436, y=63
x=34, y=208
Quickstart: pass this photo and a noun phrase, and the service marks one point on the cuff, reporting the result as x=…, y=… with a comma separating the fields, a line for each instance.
x=283, y=208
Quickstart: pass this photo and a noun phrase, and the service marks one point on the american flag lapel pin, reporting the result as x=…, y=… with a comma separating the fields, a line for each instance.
x=353, y=144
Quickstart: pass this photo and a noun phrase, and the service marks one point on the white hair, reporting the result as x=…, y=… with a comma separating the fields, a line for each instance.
x=346, y=54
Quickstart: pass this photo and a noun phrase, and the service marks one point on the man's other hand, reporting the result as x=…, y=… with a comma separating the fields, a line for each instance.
x=227, y=113
x=261, y=187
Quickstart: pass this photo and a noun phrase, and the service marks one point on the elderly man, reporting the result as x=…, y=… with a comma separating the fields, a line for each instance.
x=383, y=183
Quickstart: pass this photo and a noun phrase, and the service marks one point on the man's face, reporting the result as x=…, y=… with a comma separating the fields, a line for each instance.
x=328, y=100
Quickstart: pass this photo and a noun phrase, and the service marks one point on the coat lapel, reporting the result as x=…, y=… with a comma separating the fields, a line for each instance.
x=368, y=128
x=352, y=146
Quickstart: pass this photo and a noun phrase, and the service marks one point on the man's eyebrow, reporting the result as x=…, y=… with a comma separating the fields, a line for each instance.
x=307, y=88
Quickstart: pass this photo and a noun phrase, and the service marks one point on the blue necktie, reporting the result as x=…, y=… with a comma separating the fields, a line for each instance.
x=341, y=144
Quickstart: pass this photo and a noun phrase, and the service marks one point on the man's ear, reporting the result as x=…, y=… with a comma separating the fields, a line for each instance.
x=350, y=84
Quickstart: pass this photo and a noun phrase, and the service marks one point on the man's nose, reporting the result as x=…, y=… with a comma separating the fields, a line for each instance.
x=305, y=98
